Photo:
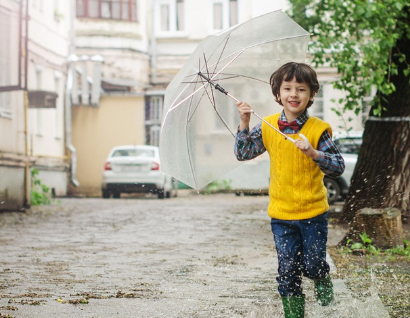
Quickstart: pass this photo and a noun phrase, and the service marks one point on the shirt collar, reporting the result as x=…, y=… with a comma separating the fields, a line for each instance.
x=300, y=120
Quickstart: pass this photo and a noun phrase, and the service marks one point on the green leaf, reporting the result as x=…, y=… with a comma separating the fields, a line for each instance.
x=399, y=6
x=357, y=246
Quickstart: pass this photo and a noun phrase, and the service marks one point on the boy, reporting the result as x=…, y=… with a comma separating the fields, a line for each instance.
x=298, y=203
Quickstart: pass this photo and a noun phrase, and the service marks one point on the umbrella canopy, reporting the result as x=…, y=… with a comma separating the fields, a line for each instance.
x=200, y=121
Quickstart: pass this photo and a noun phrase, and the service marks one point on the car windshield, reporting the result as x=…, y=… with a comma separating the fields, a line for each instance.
x=349, y=145
x=133, y=153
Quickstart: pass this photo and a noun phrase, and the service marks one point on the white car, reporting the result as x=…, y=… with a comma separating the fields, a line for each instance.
x=349, y=145
x=134, y=169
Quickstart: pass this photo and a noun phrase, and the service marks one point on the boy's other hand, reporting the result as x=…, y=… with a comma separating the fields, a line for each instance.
x=245, y=114
x=304, y=146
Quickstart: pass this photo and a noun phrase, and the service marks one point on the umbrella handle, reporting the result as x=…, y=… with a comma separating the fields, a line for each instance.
x=306, y=140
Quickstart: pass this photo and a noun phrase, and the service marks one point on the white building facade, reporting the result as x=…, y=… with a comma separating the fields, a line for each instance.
x=32, y=113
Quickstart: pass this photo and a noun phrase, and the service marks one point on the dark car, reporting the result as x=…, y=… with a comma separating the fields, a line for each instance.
x=349, y=146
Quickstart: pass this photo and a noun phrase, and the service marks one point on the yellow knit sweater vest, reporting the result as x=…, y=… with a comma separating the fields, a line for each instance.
x=296, y=187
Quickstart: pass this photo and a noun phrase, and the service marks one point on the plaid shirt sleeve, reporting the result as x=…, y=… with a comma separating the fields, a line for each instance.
x=249, y=145
x=330, y=160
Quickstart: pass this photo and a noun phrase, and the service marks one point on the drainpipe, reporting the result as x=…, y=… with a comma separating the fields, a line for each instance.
x=72, y=58
x=27, y=175
x=153, y=45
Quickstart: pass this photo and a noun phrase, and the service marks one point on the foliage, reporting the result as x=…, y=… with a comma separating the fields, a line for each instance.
x=402, y=250
x=40, y=193
x=218, y=185
x=365, y=245
x=359, y=38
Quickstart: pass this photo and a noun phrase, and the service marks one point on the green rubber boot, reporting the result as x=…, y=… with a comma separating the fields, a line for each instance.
x=324, y=291
x=294, y=306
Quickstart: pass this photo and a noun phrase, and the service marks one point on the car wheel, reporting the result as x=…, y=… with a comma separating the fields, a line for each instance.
x=106, y=194
x=116, y=195
x=168, y=194
x=333, y=190
x=161, y=194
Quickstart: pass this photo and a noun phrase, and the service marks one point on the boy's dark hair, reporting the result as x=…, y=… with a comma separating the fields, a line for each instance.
x=301, y=71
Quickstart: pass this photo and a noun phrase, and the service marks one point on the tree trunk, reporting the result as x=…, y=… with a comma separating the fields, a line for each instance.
x=383, y=226
x=382, y=173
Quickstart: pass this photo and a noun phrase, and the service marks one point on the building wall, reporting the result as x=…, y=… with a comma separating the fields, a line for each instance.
x=49, y=20
x=12, y=158
x=47, y=52
x=119, y=120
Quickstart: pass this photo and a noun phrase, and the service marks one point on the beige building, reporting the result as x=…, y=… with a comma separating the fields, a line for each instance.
x=111, y=73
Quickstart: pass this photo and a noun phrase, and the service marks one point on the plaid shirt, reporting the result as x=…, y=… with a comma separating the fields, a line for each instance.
x=249, y=144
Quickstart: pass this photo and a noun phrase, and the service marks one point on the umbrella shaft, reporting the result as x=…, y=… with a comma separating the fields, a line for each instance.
x=286, y=137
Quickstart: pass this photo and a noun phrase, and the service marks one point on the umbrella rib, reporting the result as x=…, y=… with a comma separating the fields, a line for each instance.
x=186, y=135
x=227, y=64
x=202, y=86
x=197, y=105
x=219, y=115
x=213, y=102
x=229, y=77
x=190, y=117
x=223, y=50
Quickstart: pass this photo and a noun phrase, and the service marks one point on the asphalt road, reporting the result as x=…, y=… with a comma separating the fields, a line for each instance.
x=189, y=256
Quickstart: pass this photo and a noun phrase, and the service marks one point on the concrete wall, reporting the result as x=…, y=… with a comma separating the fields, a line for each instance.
x=12, y=191
x=119, y=120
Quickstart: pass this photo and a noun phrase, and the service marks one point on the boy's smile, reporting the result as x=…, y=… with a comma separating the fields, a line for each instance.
x=294, y=97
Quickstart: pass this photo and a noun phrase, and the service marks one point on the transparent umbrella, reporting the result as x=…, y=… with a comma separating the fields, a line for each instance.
x=200, y=115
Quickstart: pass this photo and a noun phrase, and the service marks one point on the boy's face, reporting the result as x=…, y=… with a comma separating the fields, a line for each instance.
x=294, y=97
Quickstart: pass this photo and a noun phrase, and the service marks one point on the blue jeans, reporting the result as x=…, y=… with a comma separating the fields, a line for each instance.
x=301, y=248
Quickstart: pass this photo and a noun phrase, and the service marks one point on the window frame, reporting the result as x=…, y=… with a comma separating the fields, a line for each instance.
x=225, y=15
x=173, y=20
x=132, y=10
x=319, y=99
x=227, y=19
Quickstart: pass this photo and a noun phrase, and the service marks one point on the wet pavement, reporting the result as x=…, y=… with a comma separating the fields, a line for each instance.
x=189, y=256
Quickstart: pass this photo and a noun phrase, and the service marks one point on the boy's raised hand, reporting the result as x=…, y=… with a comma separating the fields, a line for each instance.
x=245, y=114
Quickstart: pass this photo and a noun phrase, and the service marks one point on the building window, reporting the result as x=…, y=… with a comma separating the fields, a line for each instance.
x=180, y=19
x=156, y=106
x=224, y=14
x=233, y=12
x=170, y=16
x=165, y=17
x=154, y=135
x=108, y=9
x=153, y=117
x=218, y=16
x=317, y=107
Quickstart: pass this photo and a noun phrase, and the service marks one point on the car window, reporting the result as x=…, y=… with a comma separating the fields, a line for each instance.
x=133, y=153
x=349, y=145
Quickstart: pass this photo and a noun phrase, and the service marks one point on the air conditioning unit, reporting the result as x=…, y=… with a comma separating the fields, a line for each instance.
x=42, y=99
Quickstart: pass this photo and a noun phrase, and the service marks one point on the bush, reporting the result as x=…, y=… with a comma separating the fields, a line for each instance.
x=40, y=193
